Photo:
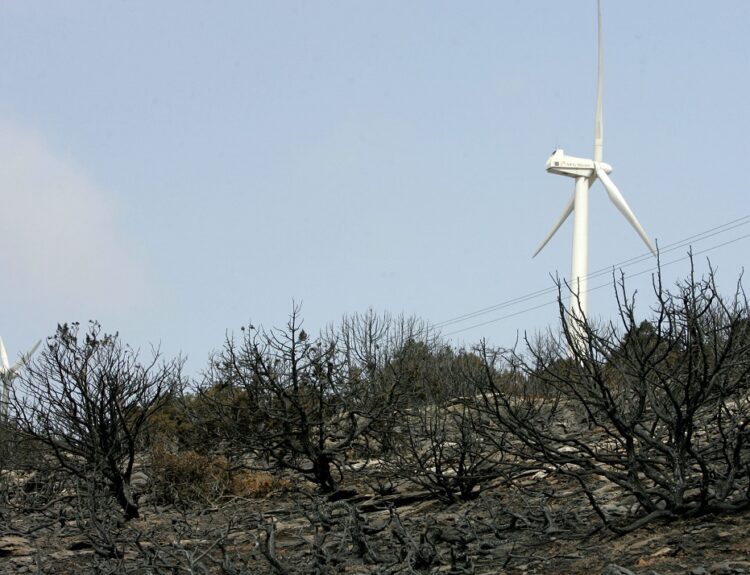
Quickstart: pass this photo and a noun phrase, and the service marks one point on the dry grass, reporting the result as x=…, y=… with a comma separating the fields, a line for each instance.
x=257, y=484
x=189, y=476
x=195, y=477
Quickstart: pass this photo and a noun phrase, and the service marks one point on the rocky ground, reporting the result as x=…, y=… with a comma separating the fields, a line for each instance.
x=542, y=526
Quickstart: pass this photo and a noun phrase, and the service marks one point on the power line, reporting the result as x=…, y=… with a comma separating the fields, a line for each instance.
x=728, y=226
x=608, y=284
x=701, y=236
x=647, y=256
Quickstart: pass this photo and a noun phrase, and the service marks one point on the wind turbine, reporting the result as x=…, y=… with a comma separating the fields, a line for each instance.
x=586, y=172
x=8, y=374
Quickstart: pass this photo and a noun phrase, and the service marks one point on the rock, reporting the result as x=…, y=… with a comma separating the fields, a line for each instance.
x=342, y=495
x=139, y=482
x=14, y=546
x=614, y=510
x=22, y=565
x=34, y=483
x=697, y=571
x=613, y=569
x=62, y=555
x=729, y=568
x=79, y=544
x=662, y=551
x=397, y=500
x=145, y=499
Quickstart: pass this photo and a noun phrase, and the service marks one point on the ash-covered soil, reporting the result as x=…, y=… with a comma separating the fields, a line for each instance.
x=542, y=525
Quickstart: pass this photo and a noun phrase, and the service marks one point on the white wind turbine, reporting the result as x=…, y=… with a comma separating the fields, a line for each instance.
x=586, y=172
x=8, y=374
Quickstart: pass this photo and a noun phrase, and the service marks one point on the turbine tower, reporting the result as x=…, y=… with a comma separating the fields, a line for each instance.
x=586, y=172
x=8, y=374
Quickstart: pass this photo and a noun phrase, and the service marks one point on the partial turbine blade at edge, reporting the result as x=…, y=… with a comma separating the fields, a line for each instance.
x=4, y=365
x=564, y=216
x=25, y=357
x=599, y=128
x=619, y=201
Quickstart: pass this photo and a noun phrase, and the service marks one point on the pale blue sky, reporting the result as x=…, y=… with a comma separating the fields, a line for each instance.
x=177, y=169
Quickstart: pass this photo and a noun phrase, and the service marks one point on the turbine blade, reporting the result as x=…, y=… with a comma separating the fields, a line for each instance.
x=25, y=358
x=616, y=197
x=564, y=216
x=599, y=128
x=3, y=356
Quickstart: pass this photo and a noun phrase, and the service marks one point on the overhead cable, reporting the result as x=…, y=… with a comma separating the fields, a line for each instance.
x=706, y=234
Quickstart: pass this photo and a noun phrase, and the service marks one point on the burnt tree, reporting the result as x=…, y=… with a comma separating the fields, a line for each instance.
x=660, y=408
x=88, y=399
x=305, y=403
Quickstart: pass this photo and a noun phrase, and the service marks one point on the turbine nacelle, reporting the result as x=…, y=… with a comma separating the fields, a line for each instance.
x=561, y=164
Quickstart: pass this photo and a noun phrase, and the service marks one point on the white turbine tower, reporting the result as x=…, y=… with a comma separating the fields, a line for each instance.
x=8, y=374
x=586, y=172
